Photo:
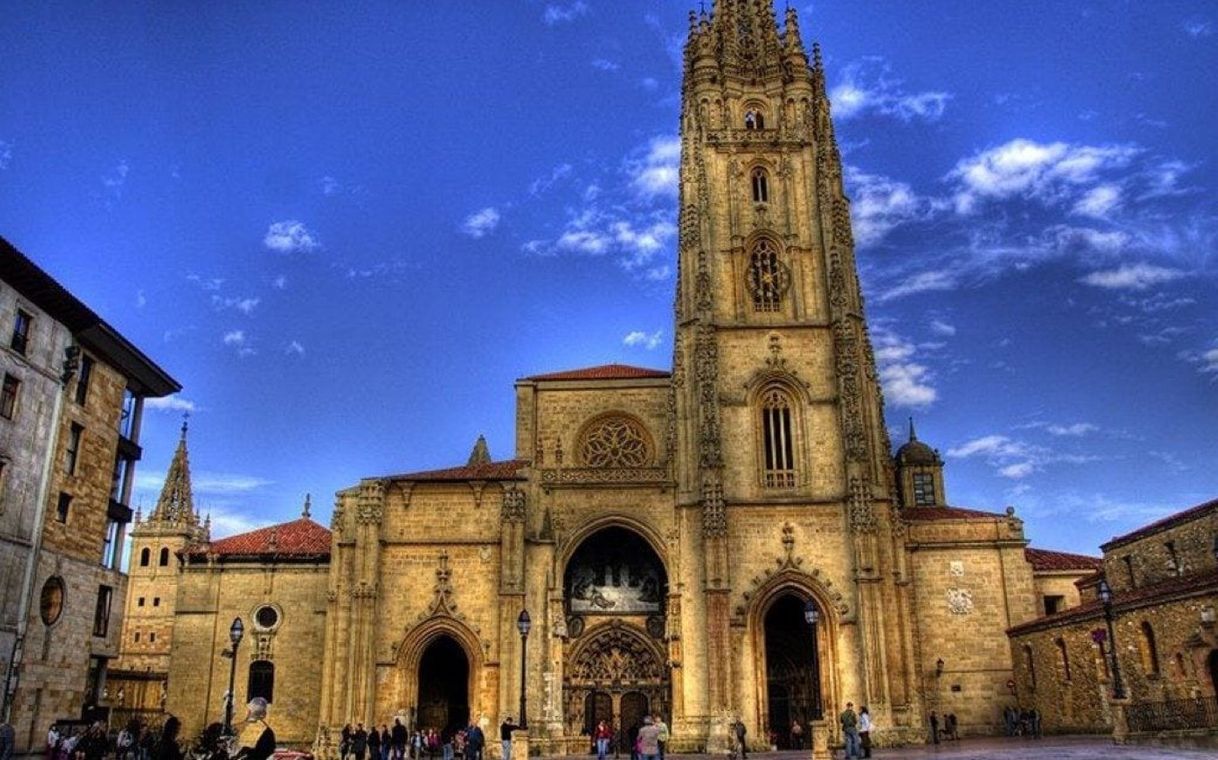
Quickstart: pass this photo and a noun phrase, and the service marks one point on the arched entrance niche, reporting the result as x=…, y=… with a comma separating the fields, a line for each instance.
x=443, y=686
x=615, y=593
x=438, y=666
x=1211, y=664
x=793, y=660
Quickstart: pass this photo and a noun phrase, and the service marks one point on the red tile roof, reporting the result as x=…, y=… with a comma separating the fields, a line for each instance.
x=1204, y=582
x=506, y=470
x=1046, y=560
x=1167, y=522
x=300, y=538
x=947, y=513
x=604, y=372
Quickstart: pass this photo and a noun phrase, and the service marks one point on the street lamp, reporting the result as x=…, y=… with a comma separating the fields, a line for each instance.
x=523, y=624
x=939, y=667
x=235, y=632
x=1118, y=689
x=812, y=617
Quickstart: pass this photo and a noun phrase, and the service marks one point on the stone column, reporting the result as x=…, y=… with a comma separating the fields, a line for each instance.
x=1120, y=719
x=820, y=740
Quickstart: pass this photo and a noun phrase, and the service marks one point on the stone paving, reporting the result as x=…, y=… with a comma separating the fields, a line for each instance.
x=1049, y=748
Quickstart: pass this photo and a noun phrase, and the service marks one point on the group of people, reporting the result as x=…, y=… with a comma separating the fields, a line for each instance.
x=646, y=740
x=398, y=743
x=1025, y=723
x=253, y=740
x=950, y=730
x=856, y=729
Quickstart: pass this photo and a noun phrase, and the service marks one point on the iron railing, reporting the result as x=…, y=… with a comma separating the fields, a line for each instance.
x=1173, y=715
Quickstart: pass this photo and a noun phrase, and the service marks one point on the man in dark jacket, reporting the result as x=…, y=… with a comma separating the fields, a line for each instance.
x=474, y=740
x=359, y=742
x=505, y=736
x=399, y=739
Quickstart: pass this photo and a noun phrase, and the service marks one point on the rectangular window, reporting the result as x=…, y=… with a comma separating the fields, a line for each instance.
x=8, y=401
x=924, y=489
x=262, y=680
x=82, y=380
x=62, y=508
x=110, y=544
x=156, y=601
x=73, y=452
x=1054, y=604
x=101, y=615
x=139, y=602
x=21, y=332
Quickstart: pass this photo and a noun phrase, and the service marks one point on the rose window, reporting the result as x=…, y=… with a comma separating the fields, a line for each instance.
x=616, y=442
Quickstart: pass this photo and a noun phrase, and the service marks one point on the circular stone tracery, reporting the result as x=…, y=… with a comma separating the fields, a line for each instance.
x=615, y=441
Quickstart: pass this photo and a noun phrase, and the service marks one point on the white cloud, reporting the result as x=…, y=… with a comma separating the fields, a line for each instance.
x=280, y=282
x=1029, y=169
x=234, y=338
x=294, y=348
x=868, y=88
x=649, y=83
x=989, y=446
x=1132, y=277
x=206, y=283
x=6, y=154
x=906, y=382
x=649, y=341
x=921, y=282
x=558, y=14
x=939, y=327
x=1197, y=28
x=1017, y=470
x=141, y=299
x=1076, y=429
x=584, y=241
x=290, y=236
x=605, y=64
x=879, y=204
x=557, y=174
x=171, y=403
x=243, y=305
x=657, y=172
x=114, y=182
x=1099, y=202
x=330, y=186
x=481, y=223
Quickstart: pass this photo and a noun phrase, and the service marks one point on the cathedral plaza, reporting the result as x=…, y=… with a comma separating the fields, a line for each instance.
x=735, y=543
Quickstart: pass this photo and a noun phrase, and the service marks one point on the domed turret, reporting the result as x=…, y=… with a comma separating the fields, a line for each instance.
x=919, y=473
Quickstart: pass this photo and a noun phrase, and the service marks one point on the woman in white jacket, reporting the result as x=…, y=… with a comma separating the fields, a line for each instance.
x=865, y=730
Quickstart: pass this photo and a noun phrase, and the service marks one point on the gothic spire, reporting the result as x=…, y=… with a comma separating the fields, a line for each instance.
x=481, y=454
x=308, y=504
x=176, y=502
x=912, y=435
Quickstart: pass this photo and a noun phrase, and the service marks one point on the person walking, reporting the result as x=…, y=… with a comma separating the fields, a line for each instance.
x=850, y=730
x=374, y=743
x=865, y=730
x=359, y=742
x=8, y=740
x=649, y=739
x=934, y=727
x=602, y=736
x=474, y=740
x=505, y=736
x=740, y=732
x=797, y=735
x=386, y=741
x=344, y=744
x=664, y=736
x=950, y=725
x=399, y=740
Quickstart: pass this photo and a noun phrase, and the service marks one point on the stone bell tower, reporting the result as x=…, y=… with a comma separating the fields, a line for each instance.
x=776, y=401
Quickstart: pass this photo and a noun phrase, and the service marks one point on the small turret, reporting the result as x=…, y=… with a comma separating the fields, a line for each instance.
x=481, y=454
x=919, y=473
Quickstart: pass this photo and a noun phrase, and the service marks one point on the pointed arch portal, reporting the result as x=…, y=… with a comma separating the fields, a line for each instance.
x=443, y=680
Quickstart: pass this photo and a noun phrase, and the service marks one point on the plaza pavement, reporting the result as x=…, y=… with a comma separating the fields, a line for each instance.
x=1048, y=748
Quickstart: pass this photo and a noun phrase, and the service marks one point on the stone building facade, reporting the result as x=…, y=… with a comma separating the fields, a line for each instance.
x=669, y=532
x=74, y=393
x=139, y=678
x=275, y=579
x=1164, y=584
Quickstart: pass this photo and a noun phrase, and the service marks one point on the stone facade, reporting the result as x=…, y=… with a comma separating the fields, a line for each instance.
x=70, y=585
x=1164, y=582
x=731, y=539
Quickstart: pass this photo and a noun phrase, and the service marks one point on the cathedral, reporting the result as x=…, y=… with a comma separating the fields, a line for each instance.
x=731, y=539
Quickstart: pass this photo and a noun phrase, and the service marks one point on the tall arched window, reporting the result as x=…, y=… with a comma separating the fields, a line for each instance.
x=754, y=119
x=145, y=557
x=1150, y=652
x=164, y=556
x=778, y=439
x=1030, y=663
x=761, y=186
x=1061, y=648
x=262, y=680
x=767, y=277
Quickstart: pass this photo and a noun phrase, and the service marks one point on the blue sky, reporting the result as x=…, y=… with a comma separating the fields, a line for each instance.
x=347, y=230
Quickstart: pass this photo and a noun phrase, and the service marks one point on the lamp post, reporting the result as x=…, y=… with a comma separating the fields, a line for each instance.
x=235, y=632
x=523, y=624
x=812, y=617
x=1118, y=689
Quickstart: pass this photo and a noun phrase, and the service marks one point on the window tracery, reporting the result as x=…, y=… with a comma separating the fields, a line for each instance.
x=615, y=441
x=768, y=278
x=778, y=439
x=761, y=185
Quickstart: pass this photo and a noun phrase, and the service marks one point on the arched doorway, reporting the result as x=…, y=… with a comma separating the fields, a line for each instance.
x=792, y=672
x=1212, y=666
x=614, y=592
x=443, y=686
